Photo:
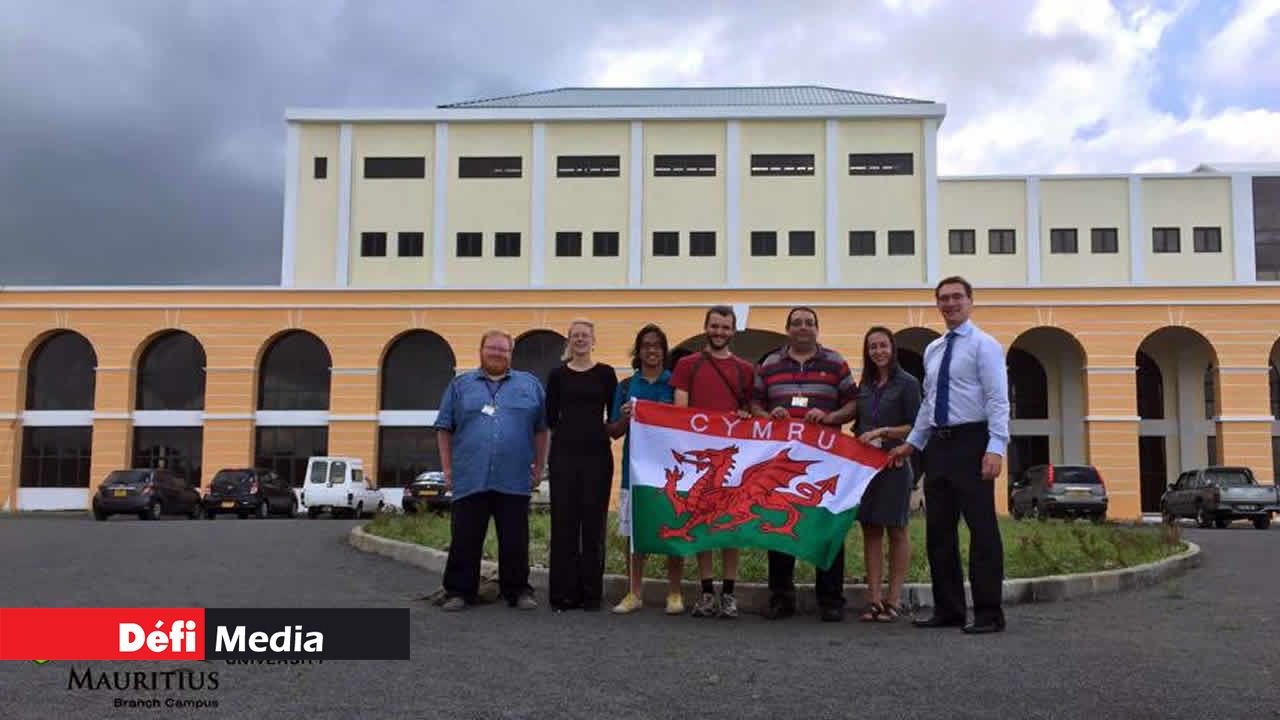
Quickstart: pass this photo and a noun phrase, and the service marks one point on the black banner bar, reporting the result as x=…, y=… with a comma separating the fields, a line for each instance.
x=306, y=633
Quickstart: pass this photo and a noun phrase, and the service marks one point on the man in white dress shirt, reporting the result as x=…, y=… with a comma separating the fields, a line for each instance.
x=963, y=429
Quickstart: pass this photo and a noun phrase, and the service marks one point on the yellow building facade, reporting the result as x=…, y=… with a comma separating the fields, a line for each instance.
x=1138, y=311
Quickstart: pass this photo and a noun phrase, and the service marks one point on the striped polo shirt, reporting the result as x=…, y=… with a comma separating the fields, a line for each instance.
x=824, y=379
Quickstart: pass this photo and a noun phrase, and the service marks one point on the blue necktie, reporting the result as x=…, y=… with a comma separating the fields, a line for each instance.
x=941, y=403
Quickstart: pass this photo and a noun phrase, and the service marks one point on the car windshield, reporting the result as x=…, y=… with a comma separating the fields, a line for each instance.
x=126, y=477
x=319, y=472
x=1075, y=476
x=1228, y=478
x=232, y=479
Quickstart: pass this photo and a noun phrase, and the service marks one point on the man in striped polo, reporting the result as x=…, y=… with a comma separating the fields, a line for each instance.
x=804, y=381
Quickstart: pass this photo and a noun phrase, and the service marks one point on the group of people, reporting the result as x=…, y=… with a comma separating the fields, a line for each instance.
x=497, y=427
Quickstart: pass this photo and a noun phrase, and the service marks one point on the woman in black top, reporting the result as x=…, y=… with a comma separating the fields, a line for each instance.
x=888, y=400
x=578, y=396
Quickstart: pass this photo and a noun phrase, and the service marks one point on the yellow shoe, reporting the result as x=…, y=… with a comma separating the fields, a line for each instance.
x=675, y=604
x=629, y=604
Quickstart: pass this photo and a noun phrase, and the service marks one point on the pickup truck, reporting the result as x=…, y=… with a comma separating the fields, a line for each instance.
x=1215, y=496
x=337, y=484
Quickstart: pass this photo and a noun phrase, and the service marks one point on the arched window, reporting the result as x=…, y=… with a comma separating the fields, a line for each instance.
x=295, y=374
x=171, y=374
x=1210, y=392
x=1150, y=383
x=60, y=375
x=538, y=352
x=415, y=372
x=1028, y=386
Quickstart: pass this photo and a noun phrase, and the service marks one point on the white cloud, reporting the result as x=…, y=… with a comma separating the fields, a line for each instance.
x=1245, y=49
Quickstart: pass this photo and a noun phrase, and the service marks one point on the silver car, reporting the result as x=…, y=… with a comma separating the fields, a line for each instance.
x=1059, y=491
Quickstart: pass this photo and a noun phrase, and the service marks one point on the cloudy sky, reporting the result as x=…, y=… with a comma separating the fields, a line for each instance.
x=142, y=141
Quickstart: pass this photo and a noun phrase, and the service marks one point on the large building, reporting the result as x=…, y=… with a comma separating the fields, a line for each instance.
x=1140, y=312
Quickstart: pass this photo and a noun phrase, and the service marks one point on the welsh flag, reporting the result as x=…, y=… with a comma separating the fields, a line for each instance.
x=702, y=480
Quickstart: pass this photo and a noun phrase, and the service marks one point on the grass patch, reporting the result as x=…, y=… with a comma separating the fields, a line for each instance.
x=1031, y=548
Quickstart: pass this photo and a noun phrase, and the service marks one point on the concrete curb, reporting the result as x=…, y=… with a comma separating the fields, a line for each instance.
x=754, y=597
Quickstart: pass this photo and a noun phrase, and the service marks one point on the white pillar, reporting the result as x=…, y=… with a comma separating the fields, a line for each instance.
x=440, y=206
x=635, y=226
x=1032, y=239
x=537, y=206
x=835, y=251
x=289, y=240
x=932, y=251
x=344, y=206
x=1137, y=231
x=732, y=195
x=1242, y=230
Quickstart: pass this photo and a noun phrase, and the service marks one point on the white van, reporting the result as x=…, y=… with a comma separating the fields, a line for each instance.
x=337, y=484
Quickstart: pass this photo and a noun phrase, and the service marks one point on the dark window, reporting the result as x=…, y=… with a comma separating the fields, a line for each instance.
x=1153, y=472
x=490, y=167
x=962, y=242
x=1207, y=239
x=1064, y=241
x=538, y=352
x=410, y=244
x=176, y=449
x=782, y=164
x=764, y=243
x=1211, y=448
x=285, y=450
x=415, y=372
x=666, y=244
x=568, y=244
x=56, y=456
x=1210, y=392
x=862, y=242
x=404, y=452
x=321, y=168
x=506, y=244
x=1104, y=240
x=1266, y=229
x=702, y=244
x=373, y=244
x=60, y=375
x=604, y=244
x=588, y=166
x=1150, y=382
x=1028, y=386
x=171, y=374
x=1002, y=242
x=668, y=165
x=381, y=168
x=801, y=243
x=1027, y=451
x=902, y=242
x=1166, y=240
x=880, y=164
x=470, y=244
x=295, y=374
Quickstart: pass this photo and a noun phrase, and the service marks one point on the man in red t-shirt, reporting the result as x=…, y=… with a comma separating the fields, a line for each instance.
x=715, y=379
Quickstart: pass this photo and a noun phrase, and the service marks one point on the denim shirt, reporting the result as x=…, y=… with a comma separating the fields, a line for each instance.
x=492, y=452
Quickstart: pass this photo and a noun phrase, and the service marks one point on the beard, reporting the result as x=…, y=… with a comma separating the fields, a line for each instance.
x=494, y=367
x=718, y=343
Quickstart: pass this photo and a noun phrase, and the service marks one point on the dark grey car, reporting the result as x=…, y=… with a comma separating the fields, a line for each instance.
x=147, y=494
x=1215, y=496
x=1059, y=491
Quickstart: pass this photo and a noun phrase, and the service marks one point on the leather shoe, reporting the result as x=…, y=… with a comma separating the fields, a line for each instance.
x=831, y=614
x=938, y=622
x=985, y=627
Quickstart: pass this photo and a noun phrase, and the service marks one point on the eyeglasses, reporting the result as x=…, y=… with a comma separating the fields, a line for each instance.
x=495, y=349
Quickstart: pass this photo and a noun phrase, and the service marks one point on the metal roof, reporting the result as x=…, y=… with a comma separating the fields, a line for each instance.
x=1249, y=168
x=786, y=96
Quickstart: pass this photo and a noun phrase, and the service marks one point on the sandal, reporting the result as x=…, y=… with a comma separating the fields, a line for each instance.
x=871, y=613
x=888, y=613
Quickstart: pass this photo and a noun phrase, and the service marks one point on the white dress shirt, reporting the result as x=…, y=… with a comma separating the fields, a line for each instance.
x=979, y=387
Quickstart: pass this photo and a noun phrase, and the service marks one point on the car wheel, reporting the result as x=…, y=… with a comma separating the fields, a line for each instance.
x=209, y=514
x=1037, y=513
x=1014, y=512
x=1221, y=523
x=98, y=514
x=293, y=507
x=264, y=510
x=154, y=511
x=1262, y=523
x=359, y=511
x=1168, y=517
x=313, y=513
x=1203, y=518
x=196, y=512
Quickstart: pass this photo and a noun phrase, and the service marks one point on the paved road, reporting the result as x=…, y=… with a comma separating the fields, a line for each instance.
x=1204, y=645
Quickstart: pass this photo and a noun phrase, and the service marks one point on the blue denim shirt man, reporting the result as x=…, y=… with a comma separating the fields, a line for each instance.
x=492, y=433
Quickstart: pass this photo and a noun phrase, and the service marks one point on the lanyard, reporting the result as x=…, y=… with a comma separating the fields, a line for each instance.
x=493, y=386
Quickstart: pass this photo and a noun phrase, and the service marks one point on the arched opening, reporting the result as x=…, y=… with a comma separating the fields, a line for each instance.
x=1176, y=378
x=1273, y=380
x=57, y=429
x=538, y=352
x=168, y=432
x=751, y=344
x=911, y=343
x=1046, y=399
x=416, y=370
x=293, y=400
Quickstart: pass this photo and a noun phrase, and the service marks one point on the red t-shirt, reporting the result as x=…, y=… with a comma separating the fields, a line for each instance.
x=708, y=390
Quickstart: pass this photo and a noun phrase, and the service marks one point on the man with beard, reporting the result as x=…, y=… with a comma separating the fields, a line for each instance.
x=492, y=432
x=714, y=379
x=805, y=381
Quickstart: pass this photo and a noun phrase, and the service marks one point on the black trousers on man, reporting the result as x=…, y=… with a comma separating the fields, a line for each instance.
x=469, y=522
x=828, y=584
x=580, y=486
x=953, y=486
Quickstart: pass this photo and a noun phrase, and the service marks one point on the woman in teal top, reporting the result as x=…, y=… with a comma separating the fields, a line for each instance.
x=651, y=381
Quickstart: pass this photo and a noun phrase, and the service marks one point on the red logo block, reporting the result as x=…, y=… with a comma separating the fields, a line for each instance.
x=101, y=633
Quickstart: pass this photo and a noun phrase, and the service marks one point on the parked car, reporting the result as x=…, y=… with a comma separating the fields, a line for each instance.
x=147, y=493
x=1058, y=491
x=1217, y=495
x=249, y=491
x=426, y=492
x=338, y=485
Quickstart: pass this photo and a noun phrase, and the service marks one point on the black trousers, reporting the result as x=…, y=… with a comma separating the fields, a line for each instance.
x=469, y=522
x=828, y=584
x=953, y=487
x=580, y=486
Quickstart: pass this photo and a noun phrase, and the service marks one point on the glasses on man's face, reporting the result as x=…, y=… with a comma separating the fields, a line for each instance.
x=498, y=349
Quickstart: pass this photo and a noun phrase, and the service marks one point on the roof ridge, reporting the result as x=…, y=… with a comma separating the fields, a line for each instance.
x=680, y=88
x=505, y=97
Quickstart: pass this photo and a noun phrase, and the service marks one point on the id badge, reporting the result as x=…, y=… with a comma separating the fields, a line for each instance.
x=489, y=409
x=799, y=401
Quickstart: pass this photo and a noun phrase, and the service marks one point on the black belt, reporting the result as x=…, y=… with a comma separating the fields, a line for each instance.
x=945, y=433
